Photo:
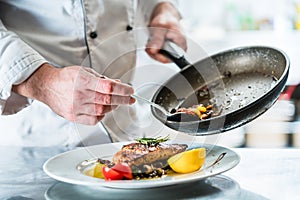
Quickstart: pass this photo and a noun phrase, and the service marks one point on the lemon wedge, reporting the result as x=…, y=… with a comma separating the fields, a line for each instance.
x=98, y=170
x=188, y=161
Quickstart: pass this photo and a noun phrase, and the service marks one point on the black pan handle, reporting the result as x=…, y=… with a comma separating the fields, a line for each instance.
x=174, y=53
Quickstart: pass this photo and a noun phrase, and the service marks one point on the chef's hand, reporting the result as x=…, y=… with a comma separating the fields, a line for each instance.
x=164, y=25
x=76, y=93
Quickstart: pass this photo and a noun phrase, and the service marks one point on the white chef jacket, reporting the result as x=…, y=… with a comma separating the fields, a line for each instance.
x=94, y=33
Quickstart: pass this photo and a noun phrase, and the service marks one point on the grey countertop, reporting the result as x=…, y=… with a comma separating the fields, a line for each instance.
x=261, y=174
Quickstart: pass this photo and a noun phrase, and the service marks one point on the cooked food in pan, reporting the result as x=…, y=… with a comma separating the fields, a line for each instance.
x=202, y=111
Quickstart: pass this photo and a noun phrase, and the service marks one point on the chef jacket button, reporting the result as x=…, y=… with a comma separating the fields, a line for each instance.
x=128, y=28
x=93, y=34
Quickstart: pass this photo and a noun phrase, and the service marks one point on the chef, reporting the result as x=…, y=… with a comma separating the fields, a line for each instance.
x=65, y=65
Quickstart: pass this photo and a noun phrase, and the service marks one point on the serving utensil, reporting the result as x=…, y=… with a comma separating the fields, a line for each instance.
x=169, y=116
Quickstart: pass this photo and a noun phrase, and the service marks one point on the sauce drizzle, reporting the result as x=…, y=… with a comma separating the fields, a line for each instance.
x=220, y=157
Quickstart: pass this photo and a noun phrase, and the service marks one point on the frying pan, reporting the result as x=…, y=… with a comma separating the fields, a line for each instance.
x=241, y=83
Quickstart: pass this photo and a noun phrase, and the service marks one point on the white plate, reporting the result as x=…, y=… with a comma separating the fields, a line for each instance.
x=69, y=166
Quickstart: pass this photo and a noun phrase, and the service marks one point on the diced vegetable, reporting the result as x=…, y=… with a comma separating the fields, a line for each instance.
x=188, y=161
x=201, y=108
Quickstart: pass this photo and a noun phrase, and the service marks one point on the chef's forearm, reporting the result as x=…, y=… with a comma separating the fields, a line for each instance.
x=35, y=87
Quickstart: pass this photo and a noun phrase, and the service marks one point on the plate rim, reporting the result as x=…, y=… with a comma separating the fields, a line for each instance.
x=134, y=184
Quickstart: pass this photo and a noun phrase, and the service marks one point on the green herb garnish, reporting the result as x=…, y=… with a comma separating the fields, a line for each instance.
x=152, y=141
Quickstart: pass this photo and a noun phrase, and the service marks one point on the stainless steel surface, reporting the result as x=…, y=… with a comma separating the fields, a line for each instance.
x=262, y=174
x=242, y=82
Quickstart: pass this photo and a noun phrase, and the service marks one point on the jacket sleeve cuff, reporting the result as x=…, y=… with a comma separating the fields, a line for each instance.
x=20, y=73
x=17, y=62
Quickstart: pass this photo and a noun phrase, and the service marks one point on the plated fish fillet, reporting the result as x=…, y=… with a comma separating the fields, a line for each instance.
x=137, y=154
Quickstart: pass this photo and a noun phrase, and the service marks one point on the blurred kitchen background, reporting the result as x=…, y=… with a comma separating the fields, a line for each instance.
x=218, y=25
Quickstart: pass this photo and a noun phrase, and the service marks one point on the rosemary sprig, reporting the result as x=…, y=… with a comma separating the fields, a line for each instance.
x=152, y=141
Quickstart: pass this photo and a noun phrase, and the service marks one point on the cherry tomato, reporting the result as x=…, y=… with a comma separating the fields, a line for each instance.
x=119, y=171
x=111, y=174
x=124, y=169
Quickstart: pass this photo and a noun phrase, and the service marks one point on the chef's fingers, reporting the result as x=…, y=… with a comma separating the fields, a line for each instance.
x=105, y=85
x=178, y=38
x=156, y=40
x=94, y=97
x=159, y=57
x=95, y=109
x=110, y=86
x=107, y=99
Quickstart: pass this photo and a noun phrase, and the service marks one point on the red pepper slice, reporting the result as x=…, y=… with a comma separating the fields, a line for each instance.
x=124, y=169
x=111, y=174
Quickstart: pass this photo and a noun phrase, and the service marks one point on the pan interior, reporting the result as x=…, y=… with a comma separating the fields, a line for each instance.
x=242, y=89
x=236, y=91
